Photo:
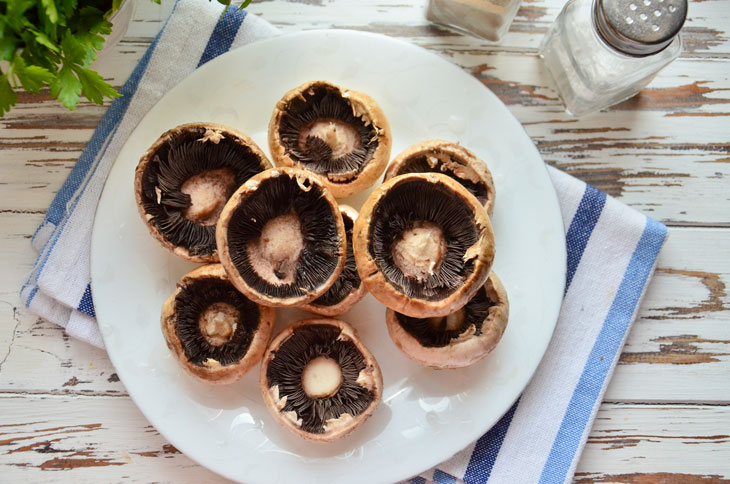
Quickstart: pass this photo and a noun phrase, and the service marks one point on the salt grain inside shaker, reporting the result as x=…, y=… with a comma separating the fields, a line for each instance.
x=488, y=19
x=601, y=52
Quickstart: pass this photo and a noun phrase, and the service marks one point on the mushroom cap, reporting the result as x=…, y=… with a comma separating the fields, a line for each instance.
x=449, y=158
x=364, y=107
x=169, y=135
x=354, y=296
x=305, y=181
x=372, y=380
x=213, y=371
x=481, y=252
x=468, y=347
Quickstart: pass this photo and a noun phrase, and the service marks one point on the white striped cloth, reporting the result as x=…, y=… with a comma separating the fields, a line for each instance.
x=612, y=250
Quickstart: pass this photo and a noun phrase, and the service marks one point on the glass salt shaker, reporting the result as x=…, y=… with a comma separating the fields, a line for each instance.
x=488, y=19
x=602, y=52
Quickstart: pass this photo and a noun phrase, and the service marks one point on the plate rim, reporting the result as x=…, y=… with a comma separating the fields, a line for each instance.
x=554, y=201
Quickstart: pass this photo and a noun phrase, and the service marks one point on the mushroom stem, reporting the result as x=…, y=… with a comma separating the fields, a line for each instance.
x=321, y=377
x=275, y=254
x=420, y=250
x=218, y=323
x=339, y=136
x=209, y=191
x=448, y=323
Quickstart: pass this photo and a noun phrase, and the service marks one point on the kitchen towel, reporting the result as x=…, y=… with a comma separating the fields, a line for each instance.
x=612, y=250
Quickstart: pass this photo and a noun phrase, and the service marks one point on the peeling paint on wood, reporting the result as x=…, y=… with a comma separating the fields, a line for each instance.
x=715, y=301
x=688, y=96
x=611, y=442
x=676, y=350
x=67, y=463
x=672, y=354
x=531, y=12
x=653, y=478
x=512, y=93
x=696, y=39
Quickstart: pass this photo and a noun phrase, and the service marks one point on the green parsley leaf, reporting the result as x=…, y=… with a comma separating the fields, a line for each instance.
x=66, y=87
x=50, y=9
x=68, y=6
x=32, y=78
x=94, y=87
x=7, y=47
x=90, y=19
x=17, y=8
x=43, y=39
x=8, y=98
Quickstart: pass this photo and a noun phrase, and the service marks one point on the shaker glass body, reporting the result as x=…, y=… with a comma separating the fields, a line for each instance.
x=488, y=19
x=588, y=73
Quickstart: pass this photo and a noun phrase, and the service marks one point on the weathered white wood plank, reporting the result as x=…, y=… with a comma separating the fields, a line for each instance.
x=91, y=439
x=635, y=444
x=705, y=32
x=679, y=347
x=108, y=439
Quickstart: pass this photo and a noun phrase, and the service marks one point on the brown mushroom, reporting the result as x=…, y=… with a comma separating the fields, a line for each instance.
x=423, y=244
x=460, y=339
x=339, y=134
x=319, y=381
x=348, y=289
x=452, y=159
x=185, y=178
x=281, y=238
x=216, y=334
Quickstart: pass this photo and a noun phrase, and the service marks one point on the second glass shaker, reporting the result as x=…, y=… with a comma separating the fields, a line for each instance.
x=488, y=19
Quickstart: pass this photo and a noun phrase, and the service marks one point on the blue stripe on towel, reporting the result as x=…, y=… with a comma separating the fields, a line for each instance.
x=603, y=354
x=581, y=228
x=443, y=478
x=487, y=448
x=417, y=480
x=86, y=305
x=223, y=34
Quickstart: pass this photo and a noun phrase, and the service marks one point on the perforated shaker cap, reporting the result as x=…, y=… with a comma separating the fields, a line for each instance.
x=639, y=27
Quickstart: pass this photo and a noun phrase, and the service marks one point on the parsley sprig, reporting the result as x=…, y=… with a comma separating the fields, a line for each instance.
x=52, y=43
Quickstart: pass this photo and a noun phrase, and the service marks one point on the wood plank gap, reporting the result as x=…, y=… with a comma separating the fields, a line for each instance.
x=668, y=403
x=7, y=393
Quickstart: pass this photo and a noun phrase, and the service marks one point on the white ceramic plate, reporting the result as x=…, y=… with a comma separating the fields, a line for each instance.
x=426, y=416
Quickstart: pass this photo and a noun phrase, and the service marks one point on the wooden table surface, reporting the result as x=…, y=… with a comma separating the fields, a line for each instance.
x=64, y=415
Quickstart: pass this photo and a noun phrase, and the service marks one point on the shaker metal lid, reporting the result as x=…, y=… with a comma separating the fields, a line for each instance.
x=639, y=27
